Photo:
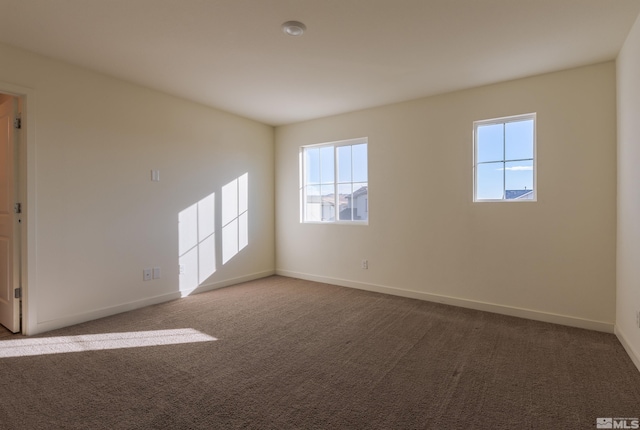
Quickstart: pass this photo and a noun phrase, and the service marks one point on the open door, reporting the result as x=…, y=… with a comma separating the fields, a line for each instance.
x=10, y=292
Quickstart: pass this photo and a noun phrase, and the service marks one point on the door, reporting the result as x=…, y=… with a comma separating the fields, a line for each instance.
x=9, y=254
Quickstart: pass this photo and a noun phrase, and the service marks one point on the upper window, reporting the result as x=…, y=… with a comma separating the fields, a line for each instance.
x=504, y=159
x=335, y=182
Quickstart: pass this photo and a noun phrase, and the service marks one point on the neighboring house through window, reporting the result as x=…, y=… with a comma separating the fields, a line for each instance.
x=335, y=182
x=504, y=159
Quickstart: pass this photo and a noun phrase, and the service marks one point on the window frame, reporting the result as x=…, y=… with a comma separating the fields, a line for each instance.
x=303, y=186
x=504, y=160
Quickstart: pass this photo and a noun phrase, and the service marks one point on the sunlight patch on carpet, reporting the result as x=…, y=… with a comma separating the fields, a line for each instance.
x=97, y=342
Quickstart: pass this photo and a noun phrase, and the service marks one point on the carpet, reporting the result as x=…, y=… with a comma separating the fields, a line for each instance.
x=283, y=353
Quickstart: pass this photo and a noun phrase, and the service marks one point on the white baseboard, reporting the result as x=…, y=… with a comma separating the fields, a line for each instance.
x=633, y=354
x=464, y=303
x=232, y=281
x=44, y=326
x=69, y=320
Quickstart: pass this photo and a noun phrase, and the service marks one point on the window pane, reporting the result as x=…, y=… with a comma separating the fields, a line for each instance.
x=519, y=180
x=344, y=163
x=313, y=208
x=345, y=199
x=339, y=169
x=490, y=181
x=328, y=203
x=360, y=202
x=327, y=174
x=519, y=140
x=360, y=163
x=490, y=143
x=312, y=165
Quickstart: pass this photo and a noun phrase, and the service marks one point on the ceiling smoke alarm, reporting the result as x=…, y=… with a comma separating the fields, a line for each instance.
x=293, y=28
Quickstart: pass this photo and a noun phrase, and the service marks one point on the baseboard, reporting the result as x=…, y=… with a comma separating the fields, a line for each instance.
x=464, y=303
x=66, y=321
x=228, y=282
x=633, y=354
x=44, y=326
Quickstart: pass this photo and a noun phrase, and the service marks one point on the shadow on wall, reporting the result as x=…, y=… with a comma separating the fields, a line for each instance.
x=197, y=256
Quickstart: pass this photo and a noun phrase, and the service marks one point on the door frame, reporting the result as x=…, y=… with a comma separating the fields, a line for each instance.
x=27, y=197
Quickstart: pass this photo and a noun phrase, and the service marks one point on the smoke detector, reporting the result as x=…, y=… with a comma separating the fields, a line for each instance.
x=293, y=28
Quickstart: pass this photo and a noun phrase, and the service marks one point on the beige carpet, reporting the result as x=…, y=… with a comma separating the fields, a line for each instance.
x=281, y=353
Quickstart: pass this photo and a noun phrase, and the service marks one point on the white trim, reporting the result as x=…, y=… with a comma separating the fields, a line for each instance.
x=464, y=303
x=505, y=120
x=504, y=200
x=66, y=321
x=303, y=186
x=346, y=142
x=340, y=222
x=633, y=354
x=95, y=314
x=232, y=281
x=28, y=195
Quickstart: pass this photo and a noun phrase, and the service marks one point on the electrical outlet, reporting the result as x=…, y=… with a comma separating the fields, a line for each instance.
x=181, y=269
x=156, y=273
x=638, y=319
x=146, y=275
x=365, y=264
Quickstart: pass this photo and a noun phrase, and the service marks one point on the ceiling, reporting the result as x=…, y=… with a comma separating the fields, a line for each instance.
x=355, y=54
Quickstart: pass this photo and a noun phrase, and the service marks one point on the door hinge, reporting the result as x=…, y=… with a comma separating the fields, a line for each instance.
x=17, y=123
x=17, y=293
x=17, y=208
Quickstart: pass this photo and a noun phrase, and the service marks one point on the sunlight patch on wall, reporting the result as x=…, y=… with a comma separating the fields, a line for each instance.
x=235, y=217
x=98, y=342
x=200, y=242
x=196, y=244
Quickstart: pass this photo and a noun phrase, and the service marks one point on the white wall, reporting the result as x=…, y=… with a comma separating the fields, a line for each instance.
x=552, y=260
x=99, y=220
x=628, y=253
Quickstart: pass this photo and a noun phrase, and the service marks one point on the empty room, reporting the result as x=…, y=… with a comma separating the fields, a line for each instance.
x=304, y=214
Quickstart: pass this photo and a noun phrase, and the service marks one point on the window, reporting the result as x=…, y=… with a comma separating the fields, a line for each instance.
x=334, y=183
x=504, y=159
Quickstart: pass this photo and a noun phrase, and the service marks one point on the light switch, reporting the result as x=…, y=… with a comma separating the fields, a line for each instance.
x=155, y=175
